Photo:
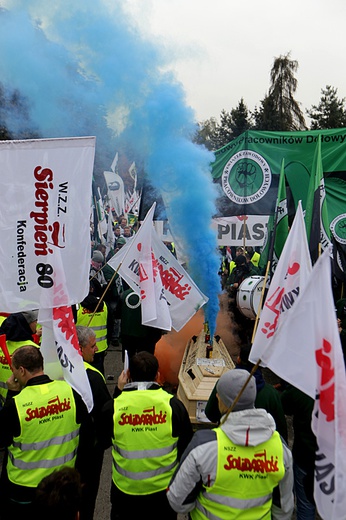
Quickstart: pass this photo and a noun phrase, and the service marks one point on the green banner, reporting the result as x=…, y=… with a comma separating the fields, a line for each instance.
x=247, y=170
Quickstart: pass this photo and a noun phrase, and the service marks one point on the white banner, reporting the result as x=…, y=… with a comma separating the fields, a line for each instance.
x=308, y=355
x=182, y=294
x=45, y=192
x=116, y=192
x=290, y=277
x=155, y=311
x=231, y=230
x=65, y=360
x=60, y=348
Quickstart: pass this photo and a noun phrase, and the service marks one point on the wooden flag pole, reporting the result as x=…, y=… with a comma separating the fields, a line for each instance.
x=104, y=293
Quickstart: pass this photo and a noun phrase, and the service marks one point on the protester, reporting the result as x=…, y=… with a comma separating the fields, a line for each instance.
x=267, y=397
x=243, y=326
x=238, y=274
x=19, y=329
x=93, y=313
x=233, y=471
x=90, y=467
x=97, y=261
x=58, y=496
x=300, y=406
x=239, y=251
x=112, y=295
x=127, y=233
x=149, y=429
x=254, y=255
x=40, y=428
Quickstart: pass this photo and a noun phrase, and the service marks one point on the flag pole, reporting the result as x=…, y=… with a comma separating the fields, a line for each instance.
x=266, y=276
x=104, y=293
x=260, y=305
x=244, y=234
x=110, y=281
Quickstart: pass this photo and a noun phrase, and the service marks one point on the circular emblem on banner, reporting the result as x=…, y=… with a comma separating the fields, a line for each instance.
x=338, y=228
x=246, y=178
x=132, y=300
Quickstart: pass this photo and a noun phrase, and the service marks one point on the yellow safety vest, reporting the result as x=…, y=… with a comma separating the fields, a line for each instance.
x=98, y=324
x=255, y=258
x=5, y=369
x=231, y=266
x=49, y=433
x=144, y=450
x=90, y=367
x=245, y=479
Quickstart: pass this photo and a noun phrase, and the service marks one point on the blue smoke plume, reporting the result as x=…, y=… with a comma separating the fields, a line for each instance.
x=84, y=69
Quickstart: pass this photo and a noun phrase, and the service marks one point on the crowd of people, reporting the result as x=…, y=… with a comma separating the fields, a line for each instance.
x=240, y=467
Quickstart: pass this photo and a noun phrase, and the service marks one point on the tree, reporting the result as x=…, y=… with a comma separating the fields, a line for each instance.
x=240, y=120
x=281, y=92
x=232, y=124
x=205, y=133
x=330, y=112
x=266, y=117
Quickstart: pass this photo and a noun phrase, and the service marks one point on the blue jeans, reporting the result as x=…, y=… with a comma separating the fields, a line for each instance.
x=305, y=509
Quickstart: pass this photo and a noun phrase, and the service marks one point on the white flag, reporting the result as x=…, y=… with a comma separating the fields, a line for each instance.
x=58, y=328
x=155, y=312
x=181, y=293
x=60, y=347
x=329, y=416
x=45, y=191
x=110, y=233
x=116, y=191
x=115, y=162
x=102, y=223
x=308, y=355
x=290, y=276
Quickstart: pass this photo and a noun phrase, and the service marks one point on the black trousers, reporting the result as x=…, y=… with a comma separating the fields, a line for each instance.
x=154, y=506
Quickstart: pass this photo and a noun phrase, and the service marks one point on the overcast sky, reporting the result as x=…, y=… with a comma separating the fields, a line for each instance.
x=225, y=48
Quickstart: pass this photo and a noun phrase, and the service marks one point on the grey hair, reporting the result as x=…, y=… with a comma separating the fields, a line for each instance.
x=84, y=335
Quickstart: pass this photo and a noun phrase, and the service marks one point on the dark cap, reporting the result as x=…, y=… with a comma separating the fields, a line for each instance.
x=239, y=260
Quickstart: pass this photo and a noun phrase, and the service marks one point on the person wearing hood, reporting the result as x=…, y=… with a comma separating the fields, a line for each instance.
x=242, y=469
x=239, y=273
x=97, y=262
x=18, y=328
x=267, y=396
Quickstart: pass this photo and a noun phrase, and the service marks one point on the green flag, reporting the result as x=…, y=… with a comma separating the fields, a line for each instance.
x=282, y=215
x=277, y=229
x=316, y=214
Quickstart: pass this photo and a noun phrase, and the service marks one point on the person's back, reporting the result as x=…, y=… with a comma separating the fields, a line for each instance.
x=231, y=472
x=267, y=397
x=150, y=429
x=93, y=312
x=39, y=426
x=301, y=406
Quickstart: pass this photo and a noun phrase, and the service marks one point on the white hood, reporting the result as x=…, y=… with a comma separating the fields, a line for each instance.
x=249, y=427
